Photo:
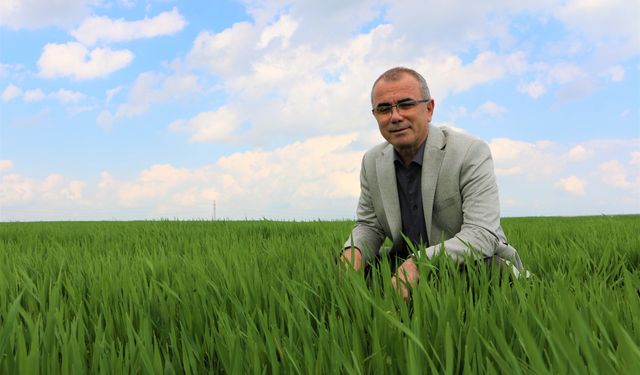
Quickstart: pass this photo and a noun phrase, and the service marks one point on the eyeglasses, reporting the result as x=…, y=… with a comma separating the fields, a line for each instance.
x=406, y=104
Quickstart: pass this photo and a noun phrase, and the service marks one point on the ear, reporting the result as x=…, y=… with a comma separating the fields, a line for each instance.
x=431, y=106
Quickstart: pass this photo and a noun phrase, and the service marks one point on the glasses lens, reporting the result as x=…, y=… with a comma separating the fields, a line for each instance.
x=407, y=104
x=383, y=108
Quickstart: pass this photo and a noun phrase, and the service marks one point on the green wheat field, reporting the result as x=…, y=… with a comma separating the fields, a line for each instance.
x=266, y=297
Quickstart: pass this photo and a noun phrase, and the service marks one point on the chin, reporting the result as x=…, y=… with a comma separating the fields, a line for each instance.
x=402, y=145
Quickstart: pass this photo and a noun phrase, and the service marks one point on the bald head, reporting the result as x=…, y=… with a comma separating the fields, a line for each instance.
x=395, y=74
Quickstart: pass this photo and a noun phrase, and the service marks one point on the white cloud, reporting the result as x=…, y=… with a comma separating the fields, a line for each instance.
x=543, y=159
x=504, y=149
x=74, y=110
x=579, y=153
x=326, y=81
x=568, y=79
x=534, y=89
x=316, y=178
x=73, y=191
x=105, y=120
x=290, y=75
x=54, y=189
x=635, y=158
x=5, y=165
x=152, y=87
x=616, y=73
x=334, y=20
x=534, y=160
x=283, y=29
x=532, y=172
x=306, y=179
x=304, y=173
x=223, y=53
x=31, y=14
x=52, y=181
x=468, y=24
x=68, y=96
x=112, y=92
x=70, y=60
x=153, y=183
x=491, y=109
x=565, y=72
x=6, y=69
x=573, y=185
x=599, y=18
x=577, y=89
x=615, y=174
x=448, y=72
x=211, y=127
x=14, y=189
x=608, y=33
x=297, y=178
x=106, y=181
x=609, y=146
x=34, y=95
x=10, y=92
x=96, y=29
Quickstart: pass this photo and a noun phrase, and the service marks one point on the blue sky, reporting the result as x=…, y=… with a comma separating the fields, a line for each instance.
x=156, y=109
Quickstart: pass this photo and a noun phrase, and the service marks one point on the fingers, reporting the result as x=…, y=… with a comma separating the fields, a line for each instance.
x=400, y=287
x=407, y=277
x=351, y=258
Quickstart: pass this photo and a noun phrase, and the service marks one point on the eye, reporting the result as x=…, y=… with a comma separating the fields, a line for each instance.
x=383, y=108
x=406, y=104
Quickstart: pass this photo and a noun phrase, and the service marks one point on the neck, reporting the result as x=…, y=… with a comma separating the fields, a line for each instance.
x=407, y=154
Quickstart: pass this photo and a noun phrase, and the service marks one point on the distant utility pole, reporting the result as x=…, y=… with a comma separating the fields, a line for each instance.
x=214, y=209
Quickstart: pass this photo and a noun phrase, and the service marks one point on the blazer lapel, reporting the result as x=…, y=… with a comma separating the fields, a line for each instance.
x=389, y=190
x=433, y=155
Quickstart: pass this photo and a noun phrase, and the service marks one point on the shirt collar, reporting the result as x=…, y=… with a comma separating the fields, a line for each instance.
x=417, y=158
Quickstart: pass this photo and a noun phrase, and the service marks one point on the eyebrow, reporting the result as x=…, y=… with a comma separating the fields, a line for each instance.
x=399, y=101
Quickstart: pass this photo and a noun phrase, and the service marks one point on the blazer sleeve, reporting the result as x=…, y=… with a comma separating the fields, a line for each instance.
x=479, y=232
x=367, y=234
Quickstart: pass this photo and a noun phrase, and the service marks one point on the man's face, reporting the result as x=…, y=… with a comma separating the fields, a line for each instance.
x=405, y=128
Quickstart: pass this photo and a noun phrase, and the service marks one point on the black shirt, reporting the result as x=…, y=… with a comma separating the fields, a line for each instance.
x=408, y=180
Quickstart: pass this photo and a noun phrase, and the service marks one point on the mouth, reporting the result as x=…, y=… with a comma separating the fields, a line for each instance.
x=399, y=130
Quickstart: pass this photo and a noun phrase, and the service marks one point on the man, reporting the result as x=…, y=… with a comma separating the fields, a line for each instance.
x=425, y=184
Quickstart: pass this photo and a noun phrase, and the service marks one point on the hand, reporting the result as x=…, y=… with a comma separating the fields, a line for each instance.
x=351, y=257
x=407, y=275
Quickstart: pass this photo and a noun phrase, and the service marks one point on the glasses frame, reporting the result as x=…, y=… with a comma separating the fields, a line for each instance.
x=409, y=103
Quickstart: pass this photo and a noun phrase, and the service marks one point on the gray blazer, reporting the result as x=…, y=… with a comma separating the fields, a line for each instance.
x=459, y=197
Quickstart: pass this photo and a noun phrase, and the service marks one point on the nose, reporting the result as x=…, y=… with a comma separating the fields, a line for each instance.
x=395, y=114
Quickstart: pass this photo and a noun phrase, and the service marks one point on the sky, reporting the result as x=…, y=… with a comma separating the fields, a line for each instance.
x=128, y=110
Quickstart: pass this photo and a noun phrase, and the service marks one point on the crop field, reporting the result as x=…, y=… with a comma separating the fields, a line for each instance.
x=173, y=297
